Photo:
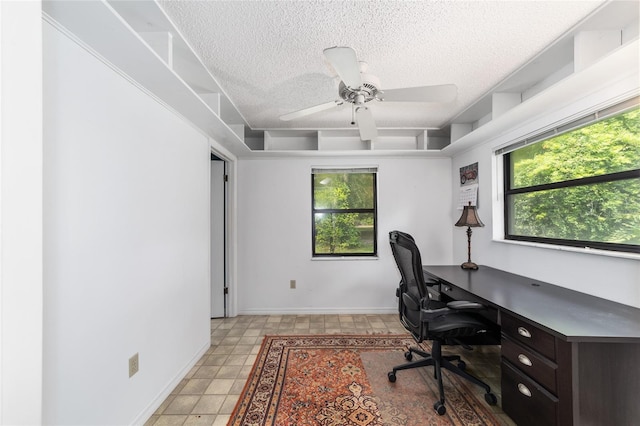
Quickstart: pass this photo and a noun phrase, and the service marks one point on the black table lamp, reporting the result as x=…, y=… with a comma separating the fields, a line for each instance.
x=469, y=219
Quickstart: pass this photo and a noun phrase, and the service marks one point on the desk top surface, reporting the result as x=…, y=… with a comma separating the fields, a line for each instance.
x=570, y=315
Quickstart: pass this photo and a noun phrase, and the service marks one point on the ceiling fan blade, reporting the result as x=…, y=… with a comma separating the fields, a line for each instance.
x=345, y=62
x=310, y=110
x=439, y=93
x=366, y=124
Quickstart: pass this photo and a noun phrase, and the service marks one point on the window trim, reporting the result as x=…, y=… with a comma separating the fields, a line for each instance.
x=362, y=169
x=584, y=121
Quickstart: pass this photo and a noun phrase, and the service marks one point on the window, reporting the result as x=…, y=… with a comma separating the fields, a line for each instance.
x=579, y=188
x=344, y=212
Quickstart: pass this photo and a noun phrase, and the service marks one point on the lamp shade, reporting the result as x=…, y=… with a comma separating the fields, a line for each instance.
x=469, y=217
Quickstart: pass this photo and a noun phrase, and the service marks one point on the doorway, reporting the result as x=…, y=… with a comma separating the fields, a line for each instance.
x=218, y=237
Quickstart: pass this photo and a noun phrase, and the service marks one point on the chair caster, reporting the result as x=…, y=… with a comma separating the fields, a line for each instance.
x=440, y=408
x=490, y=398
x=462, y=365
x=408, y=355
x=392, y=376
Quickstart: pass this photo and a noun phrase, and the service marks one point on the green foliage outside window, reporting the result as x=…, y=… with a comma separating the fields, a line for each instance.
x=344, y=213
x=582, y=185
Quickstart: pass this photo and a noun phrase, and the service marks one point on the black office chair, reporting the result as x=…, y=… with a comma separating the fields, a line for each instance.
x=427, y=319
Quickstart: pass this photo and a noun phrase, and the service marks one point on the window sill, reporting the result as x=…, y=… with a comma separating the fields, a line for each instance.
x=584, y=250
x=325, y=258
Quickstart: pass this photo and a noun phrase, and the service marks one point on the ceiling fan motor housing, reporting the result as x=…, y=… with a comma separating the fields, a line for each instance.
x=359, y=95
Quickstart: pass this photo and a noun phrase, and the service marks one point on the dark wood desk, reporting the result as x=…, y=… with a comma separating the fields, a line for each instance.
x=567, y=357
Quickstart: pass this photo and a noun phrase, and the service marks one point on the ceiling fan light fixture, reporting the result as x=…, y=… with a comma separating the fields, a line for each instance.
x=358, y=87
x=369, y=89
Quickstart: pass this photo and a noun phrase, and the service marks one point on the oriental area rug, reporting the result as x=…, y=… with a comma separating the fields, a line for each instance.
x=333, y=380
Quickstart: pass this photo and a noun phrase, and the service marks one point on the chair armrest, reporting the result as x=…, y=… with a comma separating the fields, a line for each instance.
x=464, y=305
x=455, y=306
x=429, y=314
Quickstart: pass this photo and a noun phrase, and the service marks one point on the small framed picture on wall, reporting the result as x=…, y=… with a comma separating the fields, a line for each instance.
x=468, y=186
x=469, y=174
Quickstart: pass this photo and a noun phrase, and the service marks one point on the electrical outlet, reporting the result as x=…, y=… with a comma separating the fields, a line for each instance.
x=134, y=365
x=292, y=284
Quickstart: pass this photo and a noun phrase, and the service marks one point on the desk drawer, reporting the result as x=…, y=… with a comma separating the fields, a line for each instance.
x=538, y=368
x=526, y=402
x=529, y=335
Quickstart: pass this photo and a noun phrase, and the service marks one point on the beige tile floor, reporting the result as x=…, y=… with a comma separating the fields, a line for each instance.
x=209, y=392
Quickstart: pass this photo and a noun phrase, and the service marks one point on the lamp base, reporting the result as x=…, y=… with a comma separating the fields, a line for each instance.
x=469, y=265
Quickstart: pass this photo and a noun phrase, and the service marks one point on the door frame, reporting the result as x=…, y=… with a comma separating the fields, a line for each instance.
x=225, y=237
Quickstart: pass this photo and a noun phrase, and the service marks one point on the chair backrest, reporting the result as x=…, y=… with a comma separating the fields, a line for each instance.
x=407, y=257
x=413, y=290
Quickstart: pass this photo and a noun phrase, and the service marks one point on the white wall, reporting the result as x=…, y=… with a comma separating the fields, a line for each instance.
x=20, y=213
x=613, y=278
x=126, y=242
x=274, y=235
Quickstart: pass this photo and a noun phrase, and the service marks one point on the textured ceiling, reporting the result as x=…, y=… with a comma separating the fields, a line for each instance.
x=267, y=55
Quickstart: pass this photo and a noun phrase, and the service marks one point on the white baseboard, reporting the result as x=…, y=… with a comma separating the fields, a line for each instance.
x=318, y=311
x=158, y=400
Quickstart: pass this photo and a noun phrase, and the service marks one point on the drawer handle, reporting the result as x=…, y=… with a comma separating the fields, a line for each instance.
x=524, y=332
x=525, y=360
x=524, y=390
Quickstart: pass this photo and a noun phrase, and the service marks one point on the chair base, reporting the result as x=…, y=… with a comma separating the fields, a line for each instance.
x=439, y=362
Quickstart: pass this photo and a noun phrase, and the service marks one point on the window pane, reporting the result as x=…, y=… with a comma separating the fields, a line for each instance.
x=604, y=212
x=608, y=146
x=343, y=190
x=344, y=233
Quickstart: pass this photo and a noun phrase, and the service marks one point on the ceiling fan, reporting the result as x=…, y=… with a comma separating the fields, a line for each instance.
x=357, y=87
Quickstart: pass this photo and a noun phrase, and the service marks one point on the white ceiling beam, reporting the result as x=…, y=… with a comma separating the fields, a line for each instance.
x=161, y=43
x=422, y=140
x=212, y=100
x=459, y=130
x=238, y=129
x=503, y=102
x=590, y=46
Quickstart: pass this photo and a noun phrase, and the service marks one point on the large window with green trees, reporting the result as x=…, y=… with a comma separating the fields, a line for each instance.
x=579, y=188
x=344, y=212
